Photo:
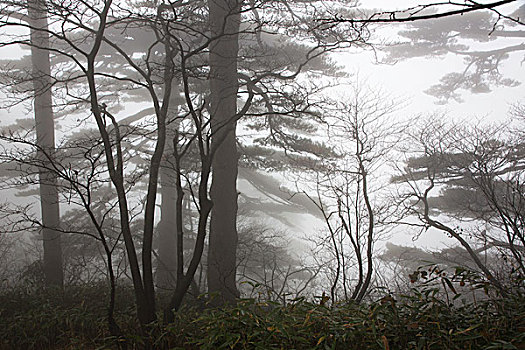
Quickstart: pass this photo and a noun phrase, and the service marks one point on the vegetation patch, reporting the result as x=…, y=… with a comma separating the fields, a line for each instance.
x=422, y=319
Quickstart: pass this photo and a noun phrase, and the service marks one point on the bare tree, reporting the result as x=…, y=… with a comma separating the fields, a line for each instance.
x=77, y=168
x=477, y=172
x=268, y=268
x=348, y=192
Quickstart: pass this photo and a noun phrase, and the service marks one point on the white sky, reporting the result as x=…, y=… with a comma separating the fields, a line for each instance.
x=410, y=78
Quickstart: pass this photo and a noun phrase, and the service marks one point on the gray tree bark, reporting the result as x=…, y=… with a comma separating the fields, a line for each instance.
x=45, y=134
x=166, y=276
x=224, y=23
x=166, y=270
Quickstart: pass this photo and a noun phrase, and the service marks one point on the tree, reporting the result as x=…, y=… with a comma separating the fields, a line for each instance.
x=82, y=49
x=454, y=36
x=347, y=192
x=45, y=134
x=84, y=35
x=270, y=73
x=85, y=44
x=166, y=272
x=267, y=268
x=478, y=171
x=225, y=18
x=77, y=166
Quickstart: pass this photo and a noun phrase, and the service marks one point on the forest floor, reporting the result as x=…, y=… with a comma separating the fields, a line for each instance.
x=76, y=319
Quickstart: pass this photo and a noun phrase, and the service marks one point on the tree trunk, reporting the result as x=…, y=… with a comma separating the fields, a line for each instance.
x=167, y=259
x=144, y=298
x=224, y=23
x=166, y=273
x=45, y=134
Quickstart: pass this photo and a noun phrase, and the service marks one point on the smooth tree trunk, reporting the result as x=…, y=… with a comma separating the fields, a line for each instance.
x=45, y=134
x=224, y=23
x=166, y=274
x=166, y=270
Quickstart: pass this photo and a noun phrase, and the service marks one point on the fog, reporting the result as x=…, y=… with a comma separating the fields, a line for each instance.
x=177, y=156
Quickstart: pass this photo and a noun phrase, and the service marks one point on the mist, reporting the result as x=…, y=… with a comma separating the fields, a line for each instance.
x=263, y=174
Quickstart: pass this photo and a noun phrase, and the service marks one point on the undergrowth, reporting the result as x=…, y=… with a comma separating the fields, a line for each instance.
x=76, y=319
